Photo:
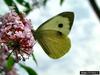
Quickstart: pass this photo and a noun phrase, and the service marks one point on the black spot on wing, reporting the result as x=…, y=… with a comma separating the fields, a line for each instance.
x=70, y=16
x=60, y=25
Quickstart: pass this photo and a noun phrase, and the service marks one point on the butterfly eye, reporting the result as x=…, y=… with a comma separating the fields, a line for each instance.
x=60, y=25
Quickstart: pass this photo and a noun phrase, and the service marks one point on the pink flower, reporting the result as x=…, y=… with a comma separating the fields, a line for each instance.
x=16, y=35
x=11, y=72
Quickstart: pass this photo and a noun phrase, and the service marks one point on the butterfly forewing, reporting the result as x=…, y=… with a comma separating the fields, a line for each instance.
x=62, y=22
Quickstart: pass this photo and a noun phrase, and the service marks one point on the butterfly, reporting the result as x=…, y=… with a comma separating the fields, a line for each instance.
x=52, y=35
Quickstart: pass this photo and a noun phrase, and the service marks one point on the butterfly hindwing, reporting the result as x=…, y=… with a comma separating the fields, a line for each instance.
x=54, y=44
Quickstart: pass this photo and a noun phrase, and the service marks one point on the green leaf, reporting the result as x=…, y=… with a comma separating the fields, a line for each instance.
x=44, y=2
x=12, y=5
x=61, y=2
x=26, y=5
x=28, y=69
x=10, y=63
x=27, y=11
x=34, y=59
x=9, y=2
x=20, y=1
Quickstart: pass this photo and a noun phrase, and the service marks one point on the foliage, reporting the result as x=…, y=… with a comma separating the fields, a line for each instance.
x=44, y=2
x=29, y=7
x=11, y=4
x=10, y=63
x=29, y=70
x=34, y=59
x=61, y=2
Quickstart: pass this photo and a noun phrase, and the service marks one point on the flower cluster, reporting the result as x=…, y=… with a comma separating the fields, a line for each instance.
x=16, y=35
x=3, y=68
